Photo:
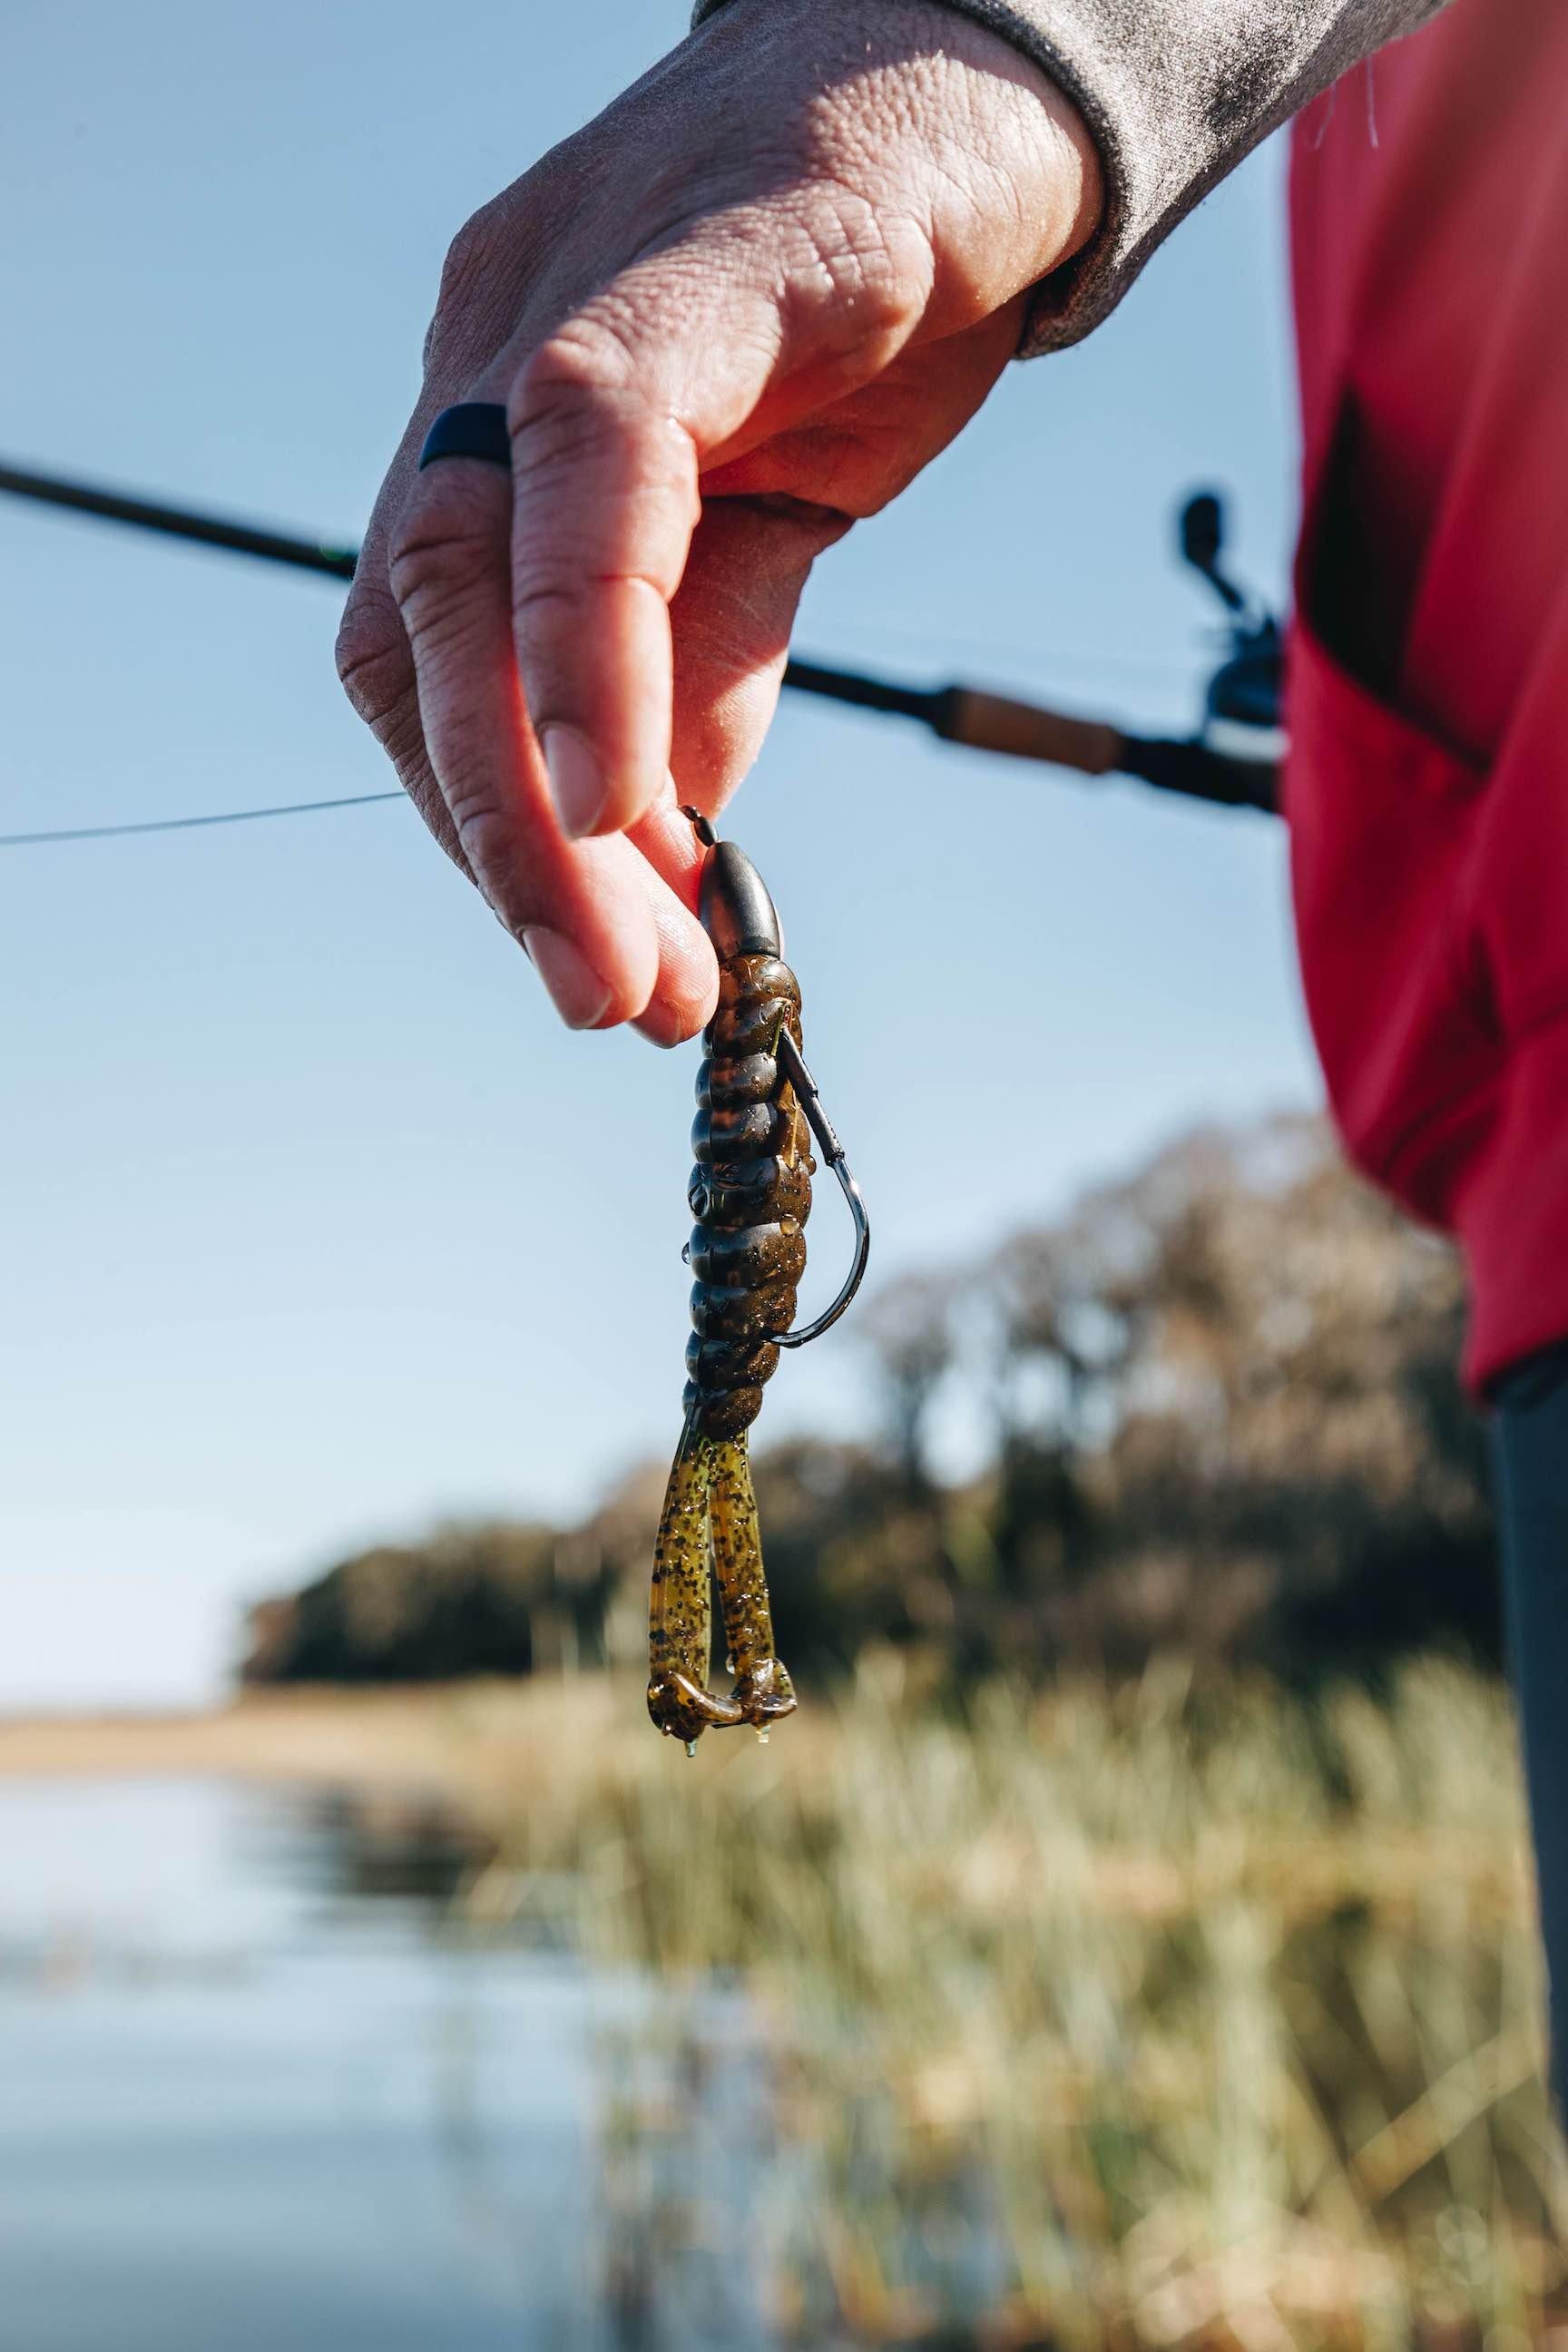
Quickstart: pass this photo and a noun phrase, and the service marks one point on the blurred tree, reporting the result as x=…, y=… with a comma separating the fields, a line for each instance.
x=496, y=1599
x=1288, y=1420
x=1227, y=1420
x=909, y=1326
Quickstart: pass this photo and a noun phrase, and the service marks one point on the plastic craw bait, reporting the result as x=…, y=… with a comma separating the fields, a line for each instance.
x=757, y=1110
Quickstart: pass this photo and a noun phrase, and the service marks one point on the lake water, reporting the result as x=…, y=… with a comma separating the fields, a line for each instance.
x=256, y=2092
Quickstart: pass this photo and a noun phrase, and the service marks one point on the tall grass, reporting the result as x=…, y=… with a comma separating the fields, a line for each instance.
x=1155, y=2015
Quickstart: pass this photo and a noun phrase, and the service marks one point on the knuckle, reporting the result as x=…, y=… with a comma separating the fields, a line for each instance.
x=582, y=360
x=426, y=794
x=373, y=666
x=488, y=840
x=443, y=543
x=467, y=259
x=486, y=266
x=550, y=612
x=589, y=427
x=577, y=395
x=546, y=611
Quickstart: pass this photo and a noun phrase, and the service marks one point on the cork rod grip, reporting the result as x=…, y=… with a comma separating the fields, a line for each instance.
x=991, y=722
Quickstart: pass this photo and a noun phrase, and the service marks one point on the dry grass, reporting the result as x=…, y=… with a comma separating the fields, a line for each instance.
x=1143, y=2017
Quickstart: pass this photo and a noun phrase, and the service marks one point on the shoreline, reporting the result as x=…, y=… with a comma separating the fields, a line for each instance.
x=450, y=1739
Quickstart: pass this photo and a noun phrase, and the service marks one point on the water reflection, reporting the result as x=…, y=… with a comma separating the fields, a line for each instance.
x=255, y=2091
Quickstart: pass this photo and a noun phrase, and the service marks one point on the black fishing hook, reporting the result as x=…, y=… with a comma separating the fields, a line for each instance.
x=791, y=1063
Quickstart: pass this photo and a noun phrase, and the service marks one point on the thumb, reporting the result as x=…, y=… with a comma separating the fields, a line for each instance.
x=733, y=618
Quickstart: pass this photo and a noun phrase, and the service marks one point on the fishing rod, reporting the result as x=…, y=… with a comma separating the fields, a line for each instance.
x=1232, y=763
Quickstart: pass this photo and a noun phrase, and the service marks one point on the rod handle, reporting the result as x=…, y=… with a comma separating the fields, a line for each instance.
x=994, y=723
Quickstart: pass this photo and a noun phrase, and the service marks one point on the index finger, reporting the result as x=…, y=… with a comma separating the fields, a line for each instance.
x=684, y=357
x=604, y=503
x=583, y=911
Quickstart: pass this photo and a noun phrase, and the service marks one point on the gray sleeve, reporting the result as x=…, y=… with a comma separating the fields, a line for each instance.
x=1176, y=93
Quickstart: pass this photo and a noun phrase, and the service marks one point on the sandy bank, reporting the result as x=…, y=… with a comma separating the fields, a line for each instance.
x=458, y=1738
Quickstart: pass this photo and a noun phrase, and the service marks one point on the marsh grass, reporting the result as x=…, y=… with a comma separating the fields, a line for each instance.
x=1158, y=2014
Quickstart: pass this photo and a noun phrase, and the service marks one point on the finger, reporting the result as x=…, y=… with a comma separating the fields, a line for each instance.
x=583, y=913
x=687, y=991
x=667, y=839
x=605, y=502
x=752, y=554
x=732, y=620
x=375, y=665
x=859, y=452
x=613, y=418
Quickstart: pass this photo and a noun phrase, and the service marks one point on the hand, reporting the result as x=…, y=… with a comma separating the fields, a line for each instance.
x=737, y=312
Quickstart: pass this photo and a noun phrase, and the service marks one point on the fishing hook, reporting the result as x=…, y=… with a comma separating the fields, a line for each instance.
x=793, y=1065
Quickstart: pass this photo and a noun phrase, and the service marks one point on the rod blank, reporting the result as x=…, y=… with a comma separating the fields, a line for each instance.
x=181, y=522
x=966, y=714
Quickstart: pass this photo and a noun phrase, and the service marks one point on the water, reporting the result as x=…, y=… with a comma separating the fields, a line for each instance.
x=255, y=2092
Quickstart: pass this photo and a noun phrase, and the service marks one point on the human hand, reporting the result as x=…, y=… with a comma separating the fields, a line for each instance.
x=739, y=312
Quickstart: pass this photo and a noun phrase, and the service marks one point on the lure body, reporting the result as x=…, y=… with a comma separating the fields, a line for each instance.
x=751, y=1195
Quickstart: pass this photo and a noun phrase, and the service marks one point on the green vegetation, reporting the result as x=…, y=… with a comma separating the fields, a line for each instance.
x=1160, y=2013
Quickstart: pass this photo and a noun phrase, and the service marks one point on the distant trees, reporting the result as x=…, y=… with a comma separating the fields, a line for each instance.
x=1225, y=1418
x=1255, y=1405
x=910, y=1326
x=497, y=1600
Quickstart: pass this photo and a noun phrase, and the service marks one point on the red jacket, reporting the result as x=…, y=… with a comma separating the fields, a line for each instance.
x=1427, y=783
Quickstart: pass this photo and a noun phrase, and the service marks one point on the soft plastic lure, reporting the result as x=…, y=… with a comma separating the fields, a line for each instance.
x=757, y=1112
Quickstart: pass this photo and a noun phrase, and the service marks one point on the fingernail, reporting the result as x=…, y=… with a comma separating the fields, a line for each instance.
x=577, y=992
x=576, y=780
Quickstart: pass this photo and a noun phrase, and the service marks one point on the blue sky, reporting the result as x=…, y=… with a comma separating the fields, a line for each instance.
x=313, y=1225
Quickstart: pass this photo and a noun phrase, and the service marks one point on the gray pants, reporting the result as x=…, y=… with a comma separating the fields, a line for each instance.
x=1531, y=1445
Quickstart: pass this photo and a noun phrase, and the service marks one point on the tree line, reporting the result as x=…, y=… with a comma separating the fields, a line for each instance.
x=1224, y=1417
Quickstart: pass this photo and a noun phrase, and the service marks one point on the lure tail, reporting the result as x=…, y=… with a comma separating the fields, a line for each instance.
x=680, y=1612
x=709, y=1525
x=763, y=1690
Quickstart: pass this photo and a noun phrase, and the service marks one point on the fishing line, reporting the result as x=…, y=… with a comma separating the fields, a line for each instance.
x=187, y=823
